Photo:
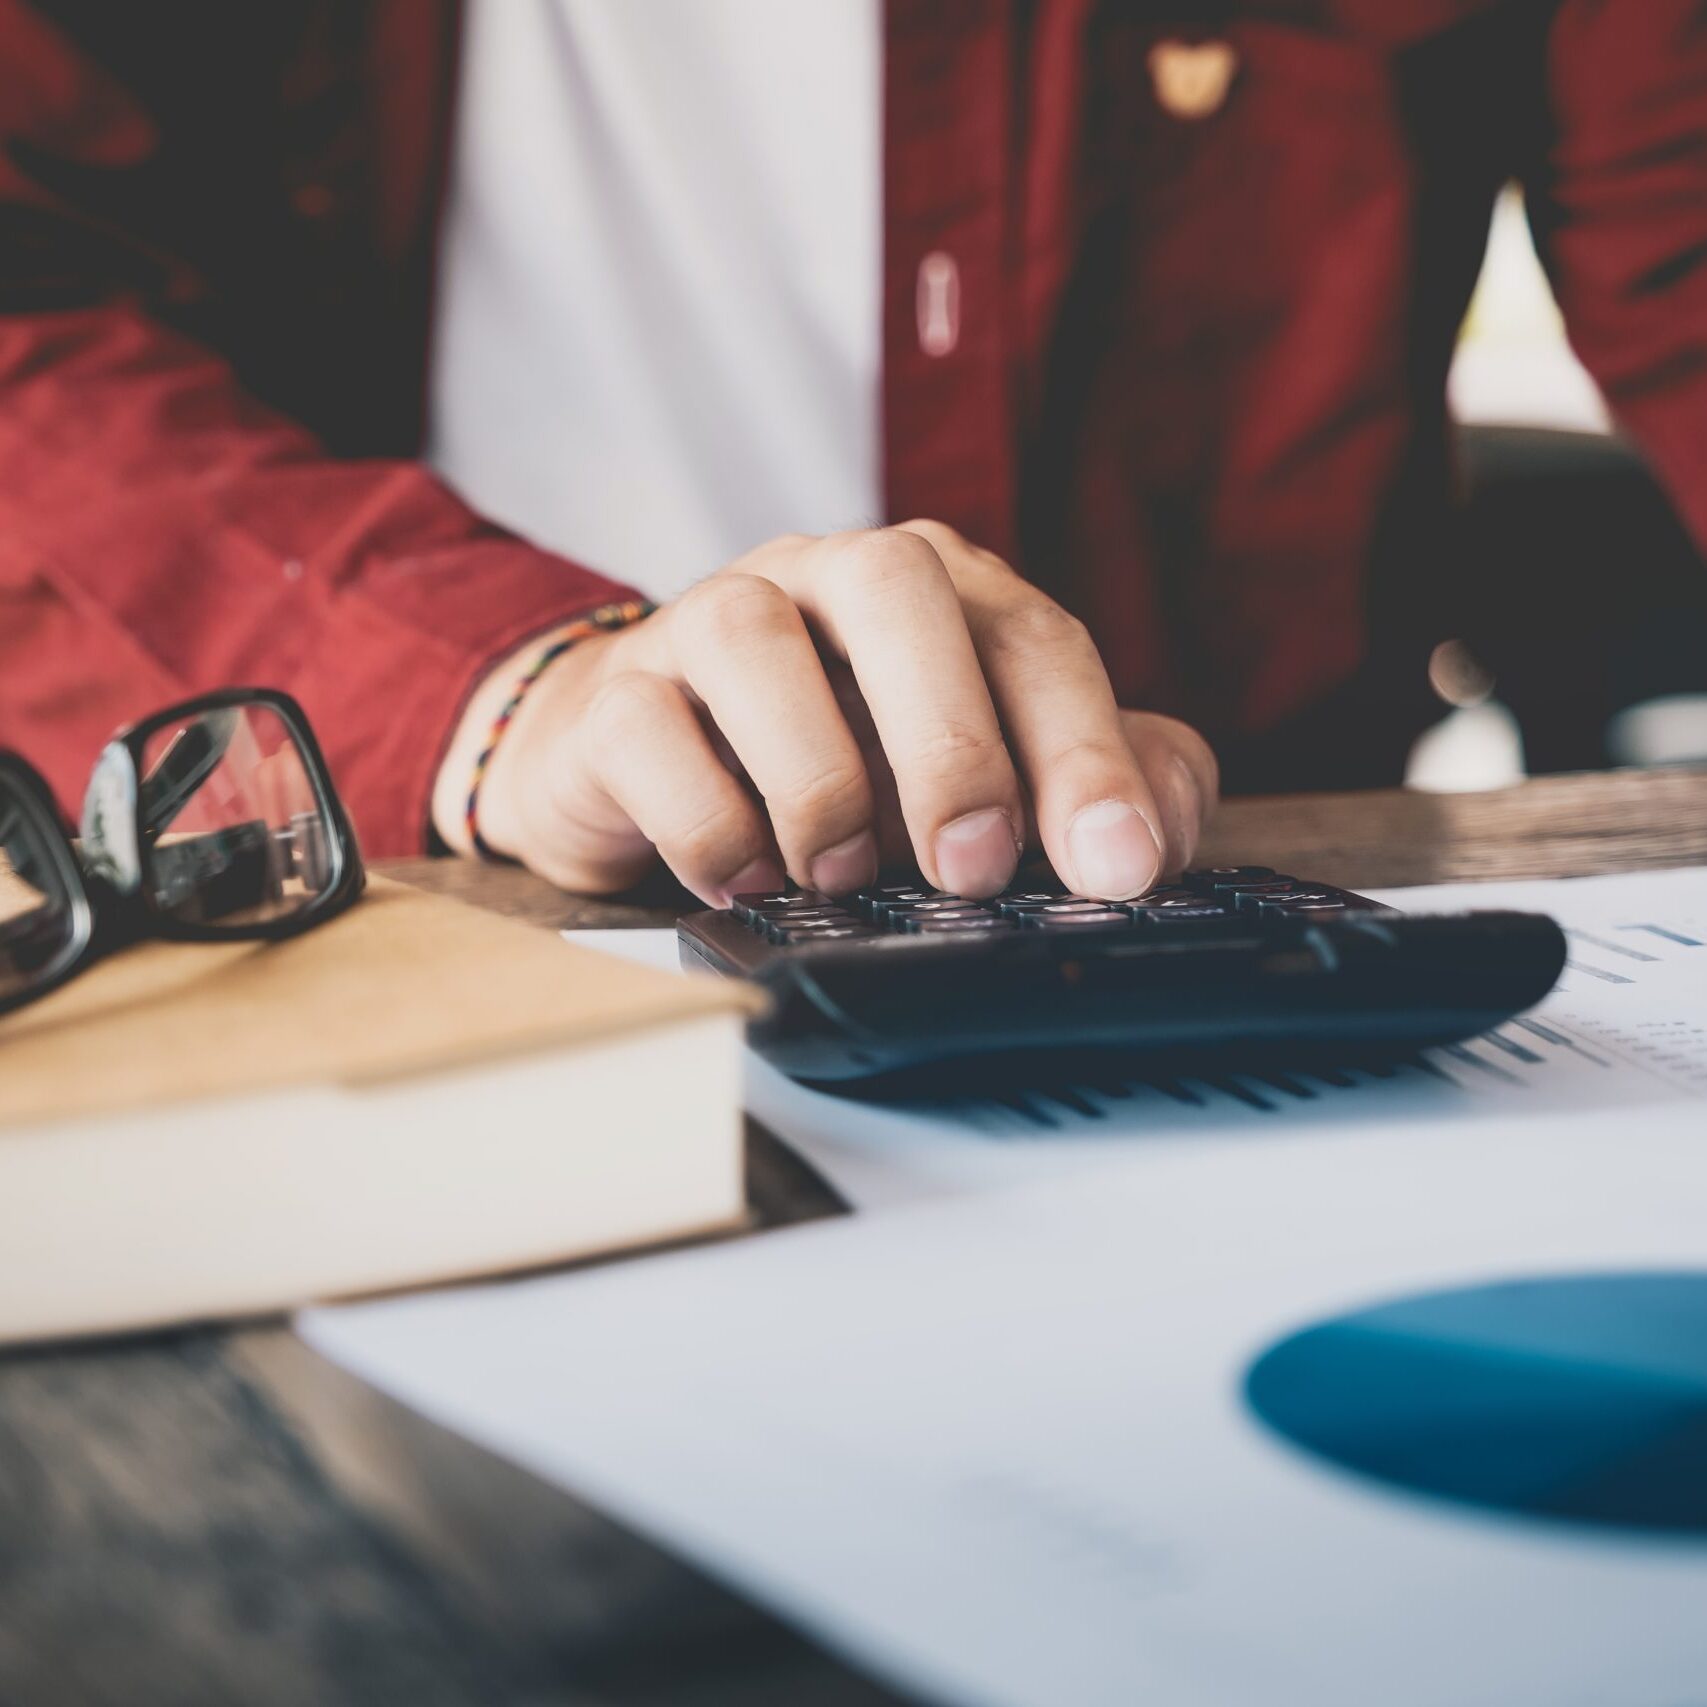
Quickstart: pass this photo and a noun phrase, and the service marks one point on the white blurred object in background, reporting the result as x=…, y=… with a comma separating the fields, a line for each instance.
x=1477, y=744
x=1668, y=731
x=1470, y=748
x=1514, y=365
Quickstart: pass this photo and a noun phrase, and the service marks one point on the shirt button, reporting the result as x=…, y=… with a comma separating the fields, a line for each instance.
x=938, y=303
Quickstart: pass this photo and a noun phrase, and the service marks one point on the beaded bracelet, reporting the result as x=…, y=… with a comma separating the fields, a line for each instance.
x=605, y=617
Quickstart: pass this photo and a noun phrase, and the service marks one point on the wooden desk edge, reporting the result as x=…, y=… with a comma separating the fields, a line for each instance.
x=1557, y=826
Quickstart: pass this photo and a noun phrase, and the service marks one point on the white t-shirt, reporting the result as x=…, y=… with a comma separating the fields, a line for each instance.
x=658, y=338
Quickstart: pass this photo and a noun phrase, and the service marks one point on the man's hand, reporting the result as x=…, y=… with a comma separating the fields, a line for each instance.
x=824, y=705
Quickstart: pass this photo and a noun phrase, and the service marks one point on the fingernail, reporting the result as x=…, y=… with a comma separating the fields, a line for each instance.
x=1115, y=854
x=762, y=877
x=848, y=866
x=977, y=854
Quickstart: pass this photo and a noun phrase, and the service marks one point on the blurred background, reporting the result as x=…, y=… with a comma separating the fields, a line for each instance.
x=1542, y=461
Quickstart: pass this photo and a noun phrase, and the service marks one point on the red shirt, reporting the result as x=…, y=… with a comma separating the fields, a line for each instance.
x=1197, y=386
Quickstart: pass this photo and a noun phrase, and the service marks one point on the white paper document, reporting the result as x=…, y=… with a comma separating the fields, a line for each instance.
x=1000, y=1450
x=1625, y=1029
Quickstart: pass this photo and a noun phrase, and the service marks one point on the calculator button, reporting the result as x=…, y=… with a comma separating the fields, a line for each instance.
x=948, y=924
x=896, y=917
x=806, y=916
x=1097, y=918
x=791, y=901
x=1176, y=913
x=891, y=906
x=782, y=930
x=1052, y=906
x=852, y=931
x=1230, y=876
x=1256, y=900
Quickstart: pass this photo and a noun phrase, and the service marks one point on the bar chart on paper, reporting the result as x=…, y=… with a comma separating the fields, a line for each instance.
x=1625, y=1030
x=1628, y=1020
x=1633, y=998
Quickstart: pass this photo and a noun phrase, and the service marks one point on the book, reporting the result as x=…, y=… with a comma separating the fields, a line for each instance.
x=414, y=1092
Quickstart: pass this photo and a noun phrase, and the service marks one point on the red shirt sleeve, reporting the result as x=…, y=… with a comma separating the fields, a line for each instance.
x=1618, y=202
x=162, y=534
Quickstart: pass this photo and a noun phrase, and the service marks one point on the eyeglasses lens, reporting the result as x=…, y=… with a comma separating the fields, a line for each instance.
x=37, y=918
x=237, y=831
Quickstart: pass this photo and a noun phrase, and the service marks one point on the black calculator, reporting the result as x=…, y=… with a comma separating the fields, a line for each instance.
x=904, y=989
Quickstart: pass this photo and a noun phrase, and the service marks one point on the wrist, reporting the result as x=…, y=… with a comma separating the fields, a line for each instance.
x=472, y=732
x=530, y=684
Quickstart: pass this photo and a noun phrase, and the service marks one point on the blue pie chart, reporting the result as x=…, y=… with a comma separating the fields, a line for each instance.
x=1577, y=1398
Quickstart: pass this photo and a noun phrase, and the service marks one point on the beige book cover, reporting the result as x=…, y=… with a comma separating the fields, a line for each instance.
x=413, y=1092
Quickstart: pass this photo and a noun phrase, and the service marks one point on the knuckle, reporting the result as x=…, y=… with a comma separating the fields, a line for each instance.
x=834, y=794
x=886, y=563
x=631, y=703
x=1184, y=741
x=1199, y=757
x=711, y=837
x=1035, y=628
x=953, y=749
x=1086, y=758
x=1181, y=735
x=938, y=533
x=736, y=607
x=959, y=554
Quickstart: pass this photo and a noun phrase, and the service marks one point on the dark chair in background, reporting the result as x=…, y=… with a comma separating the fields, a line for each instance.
x=1562, y=582
x=1574, y=585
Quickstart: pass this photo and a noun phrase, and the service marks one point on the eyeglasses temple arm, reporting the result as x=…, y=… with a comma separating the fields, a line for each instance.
x=186, y=764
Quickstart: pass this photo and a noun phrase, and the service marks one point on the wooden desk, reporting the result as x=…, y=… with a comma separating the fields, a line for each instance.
x=221, y=1517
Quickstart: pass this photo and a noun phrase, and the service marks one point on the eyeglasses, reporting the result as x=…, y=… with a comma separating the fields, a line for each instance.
x=213, y=820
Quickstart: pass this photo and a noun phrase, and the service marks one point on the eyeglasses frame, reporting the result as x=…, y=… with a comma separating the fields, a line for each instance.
x=113, y=906
x=28, y=787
